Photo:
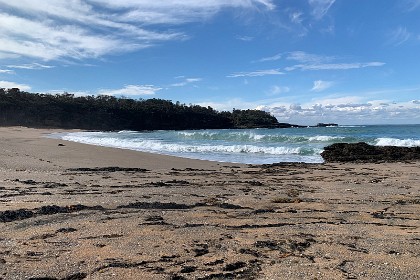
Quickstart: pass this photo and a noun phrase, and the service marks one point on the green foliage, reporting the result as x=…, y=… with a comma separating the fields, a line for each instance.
x=253, y=119
x=111, y=113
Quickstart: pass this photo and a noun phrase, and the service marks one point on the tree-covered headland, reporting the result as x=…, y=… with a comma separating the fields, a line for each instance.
x=19, y=108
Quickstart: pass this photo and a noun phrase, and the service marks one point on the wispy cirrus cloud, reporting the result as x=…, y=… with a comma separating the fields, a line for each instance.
x=178, y=11
x=92, y=28
x=258, y=73
x=296, y=17
x=5, y=71
x=320, y=7
x=305, y=57
x=335, y=66
x=245, y=38
x=271, y=58
x=32, y=66
x=399, y=36
x=308, y=61
x=186, y=81
x=320, y=85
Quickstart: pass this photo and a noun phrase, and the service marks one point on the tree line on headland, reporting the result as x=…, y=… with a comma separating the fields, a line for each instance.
x=19, y=108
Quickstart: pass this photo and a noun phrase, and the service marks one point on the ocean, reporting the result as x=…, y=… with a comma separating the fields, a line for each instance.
x=250, y=146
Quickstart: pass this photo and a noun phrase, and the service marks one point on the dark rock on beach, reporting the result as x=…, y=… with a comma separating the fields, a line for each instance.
x=363, y=152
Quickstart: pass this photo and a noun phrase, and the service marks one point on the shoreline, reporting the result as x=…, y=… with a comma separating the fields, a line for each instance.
x=90, y=155
x=77, y=211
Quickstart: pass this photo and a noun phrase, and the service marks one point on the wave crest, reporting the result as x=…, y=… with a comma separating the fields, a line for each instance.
x=397, y=142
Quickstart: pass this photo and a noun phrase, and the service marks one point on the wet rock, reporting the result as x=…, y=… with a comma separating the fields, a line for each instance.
x=202, y=250
x=66, y=230
x=29, y=182
x=234, y=266
x=363, y=152
x=188, y=269
x=10, y=216
x=52, y=209
x=250, y=252
x=216, y=262
x=263, y=211
x=120, y=264
x=51, y=185
x=165, y=258
x=21, y=214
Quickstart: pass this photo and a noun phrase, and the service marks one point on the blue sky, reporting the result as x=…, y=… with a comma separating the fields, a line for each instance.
x=305, y=61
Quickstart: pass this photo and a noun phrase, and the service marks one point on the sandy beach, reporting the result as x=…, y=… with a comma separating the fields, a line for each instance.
x=74, y=211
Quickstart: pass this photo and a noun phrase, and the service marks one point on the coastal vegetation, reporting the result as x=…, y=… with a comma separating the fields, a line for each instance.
x=110, y=113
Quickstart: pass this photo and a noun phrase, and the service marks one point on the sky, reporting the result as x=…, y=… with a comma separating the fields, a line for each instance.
x=304, y=61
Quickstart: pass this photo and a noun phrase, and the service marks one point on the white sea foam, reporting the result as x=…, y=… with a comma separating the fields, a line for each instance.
x=322, y=138
x=397, y=142
x=152, y=145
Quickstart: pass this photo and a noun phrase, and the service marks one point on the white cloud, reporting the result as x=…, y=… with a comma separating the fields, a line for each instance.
x=89, y=29
x=228, y=105
x=3, y=71
x=296, y=17
x=320, y=85
x=32, y=66
x=257, y=73
x=186, y=81
x=320, y=7
x=342, y=110
x=276, y=90
x=346, y=110
x=295, y=107
x=271, y=58
x=131, y=90
x=7, y=84
x=304, y=57
x=335, y=66
x=245, y=38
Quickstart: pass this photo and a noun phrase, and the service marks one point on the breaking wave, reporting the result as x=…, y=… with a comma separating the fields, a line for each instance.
x=253, y=146
x=397, y=142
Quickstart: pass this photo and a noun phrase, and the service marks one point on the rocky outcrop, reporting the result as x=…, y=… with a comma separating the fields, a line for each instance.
x=363, y=152
x=325, y=125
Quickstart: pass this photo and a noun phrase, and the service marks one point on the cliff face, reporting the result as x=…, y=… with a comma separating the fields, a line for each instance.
x=363, y=152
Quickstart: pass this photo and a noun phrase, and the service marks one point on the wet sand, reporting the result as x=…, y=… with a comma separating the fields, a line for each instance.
x=74, y=211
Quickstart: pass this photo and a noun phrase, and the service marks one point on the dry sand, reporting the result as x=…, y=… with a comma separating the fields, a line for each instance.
x=73, y=211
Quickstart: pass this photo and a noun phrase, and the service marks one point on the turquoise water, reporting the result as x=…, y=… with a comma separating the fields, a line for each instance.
x=252, y=146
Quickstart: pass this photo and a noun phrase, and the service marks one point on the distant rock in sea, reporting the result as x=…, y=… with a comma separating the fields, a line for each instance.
x=363, y=152
x=325, y=124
